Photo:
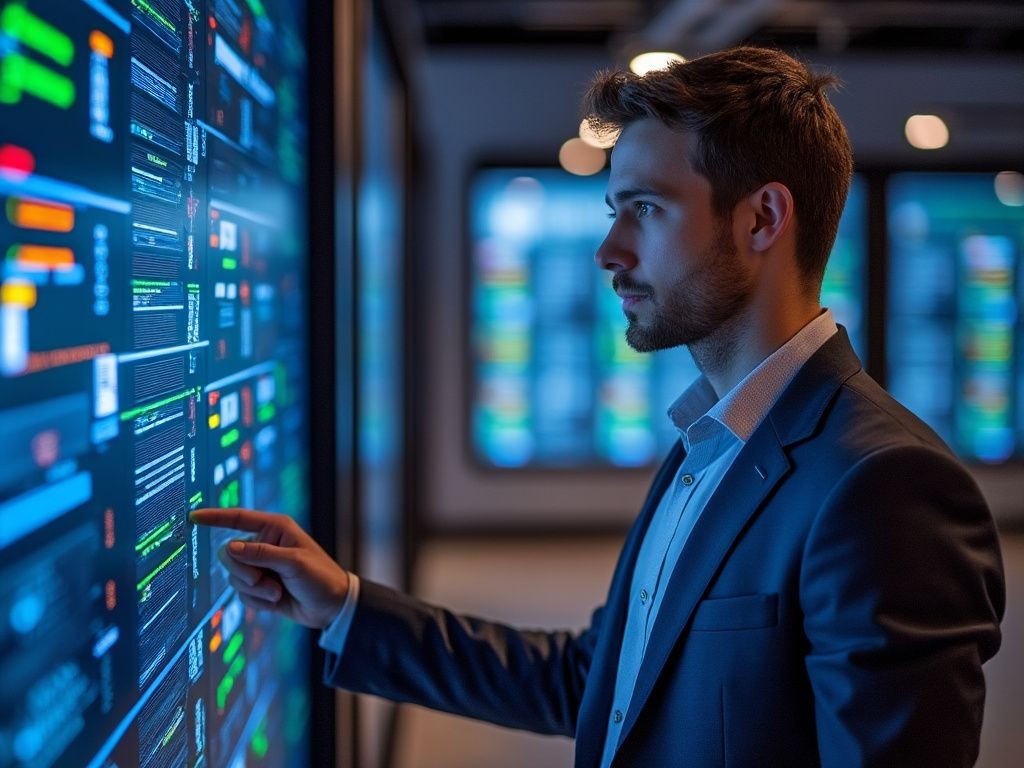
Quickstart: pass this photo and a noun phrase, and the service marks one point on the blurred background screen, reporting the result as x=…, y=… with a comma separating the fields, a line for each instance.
x=153, y=240
x=955, y=334
x=554, y=383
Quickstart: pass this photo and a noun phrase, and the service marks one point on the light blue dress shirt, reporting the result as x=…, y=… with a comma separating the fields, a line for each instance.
x=713, y=433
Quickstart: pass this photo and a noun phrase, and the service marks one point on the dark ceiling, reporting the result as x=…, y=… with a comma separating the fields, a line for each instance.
x=692, y=27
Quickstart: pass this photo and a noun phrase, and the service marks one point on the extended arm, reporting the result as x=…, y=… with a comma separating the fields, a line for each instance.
x=407, y=650
x=400, y=648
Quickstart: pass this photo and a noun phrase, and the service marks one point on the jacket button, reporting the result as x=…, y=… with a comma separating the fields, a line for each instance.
x=618, y=715
x=687, y=479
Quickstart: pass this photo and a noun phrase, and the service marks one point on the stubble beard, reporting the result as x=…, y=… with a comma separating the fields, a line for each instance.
x=701, y=305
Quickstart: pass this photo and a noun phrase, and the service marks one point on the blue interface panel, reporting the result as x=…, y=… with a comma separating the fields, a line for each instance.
x=554, y=382
x=152, y=361
x=956, y=287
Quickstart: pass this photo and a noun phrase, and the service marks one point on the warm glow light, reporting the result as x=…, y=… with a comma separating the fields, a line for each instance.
x=101, y=44
x=1010, y=188
x=601, y=140
x=927, y=132
x=648, y=62
x=578, y=157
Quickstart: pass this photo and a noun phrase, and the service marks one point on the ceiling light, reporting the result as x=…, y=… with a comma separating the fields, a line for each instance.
x=1010, y=188
x=579, y=158
x=926, y=132
x=599, y=139
x=648, y=62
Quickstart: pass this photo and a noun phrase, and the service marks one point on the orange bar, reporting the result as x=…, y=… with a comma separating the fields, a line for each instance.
x=43, y=257
x=215, y=642
x=102, y=44
x=55, y=358
x=36, y=214
x=20, y=293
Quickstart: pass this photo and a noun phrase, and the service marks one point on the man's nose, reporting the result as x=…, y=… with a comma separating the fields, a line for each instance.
x=613, y=254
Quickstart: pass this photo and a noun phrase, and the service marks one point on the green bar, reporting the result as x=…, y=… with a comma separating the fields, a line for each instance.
x=229, y=496
x=266, y=412
x=32, y=32
x=259, y=743
x=229, y=438
x=155, y=534
x=166, y=401
x=228, y=263
x=20, y=75
x=145, y=582
x=157, y=283
x=197, y=497
x=143, y=5
x=233, y=647
x=257, y=7
x=225, y=685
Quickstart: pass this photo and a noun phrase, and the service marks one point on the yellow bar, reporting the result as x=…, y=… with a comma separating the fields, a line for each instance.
x=215, y=421
x=21, y=293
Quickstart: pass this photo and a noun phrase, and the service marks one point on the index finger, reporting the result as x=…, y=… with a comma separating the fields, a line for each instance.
x=239, y=519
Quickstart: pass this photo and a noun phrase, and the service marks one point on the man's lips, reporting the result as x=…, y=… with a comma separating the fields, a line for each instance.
x=631, y=299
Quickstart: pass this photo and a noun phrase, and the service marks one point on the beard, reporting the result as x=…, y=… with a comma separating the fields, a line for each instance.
x=714, y=292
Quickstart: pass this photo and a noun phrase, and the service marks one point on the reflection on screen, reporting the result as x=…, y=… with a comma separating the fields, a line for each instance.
x=152, y=357
x=381, y=214
x=555, y=384
x=956, y=343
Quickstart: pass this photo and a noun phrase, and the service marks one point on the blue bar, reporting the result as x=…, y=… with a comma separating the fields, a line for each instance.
x=31, y=511
x=110, y=14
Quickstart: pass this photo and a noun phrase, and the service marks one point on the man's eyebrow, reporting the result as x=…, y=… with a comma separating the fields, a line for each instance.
x=624, y=195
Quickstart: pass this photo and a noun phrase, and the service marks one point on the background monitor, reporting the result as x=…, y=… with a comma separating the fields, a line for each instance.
x=955, y=335
x=554, y=383
x=153, y=245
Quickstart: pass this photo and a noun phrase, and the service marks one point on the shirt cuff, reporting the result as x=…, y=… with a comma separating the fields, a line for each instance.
x=332, y=639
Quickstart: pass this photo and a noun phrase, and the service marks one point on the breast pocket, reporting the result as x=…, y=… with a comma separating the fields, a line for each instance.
x=729, y=613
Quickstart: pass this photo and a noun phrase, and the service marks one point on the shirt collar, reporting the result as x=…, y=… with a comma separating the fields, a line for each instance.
x=743, y=408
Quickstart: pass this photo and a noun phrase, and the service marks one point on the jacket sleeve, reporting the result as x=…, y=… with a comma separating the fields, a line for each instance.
x=406, y=650
x=902, y=592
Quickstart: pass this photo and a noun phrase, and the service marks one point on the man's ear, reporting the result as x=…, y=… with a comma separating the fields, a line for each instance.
x=773, y=211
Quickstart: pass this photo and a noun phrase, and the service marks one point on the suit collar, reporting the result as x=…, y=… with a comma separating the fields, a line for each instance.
x=802, y=404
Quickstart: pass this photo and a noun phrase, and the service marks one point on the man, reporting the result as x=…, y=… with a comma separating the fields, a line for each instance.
x=814, y=579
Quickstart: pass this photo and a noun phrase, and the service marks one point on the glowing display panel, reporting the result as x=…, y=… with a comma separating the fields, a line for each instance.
x=955, y=335
x=152, y=360
x=554, y=382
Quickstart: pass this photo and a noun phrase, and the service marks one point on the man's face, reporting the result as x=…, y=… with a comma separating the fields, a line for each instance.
x=675, y=263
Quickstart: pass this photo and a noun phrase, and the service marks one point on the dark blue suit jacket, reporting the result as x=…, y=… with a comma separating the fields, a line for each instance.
x=833, y=606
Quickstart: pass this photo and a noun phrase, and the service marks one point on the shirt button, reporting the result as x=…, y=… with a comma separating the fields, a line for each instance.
x=687, y=479
x=643, y=595
x=618, y=715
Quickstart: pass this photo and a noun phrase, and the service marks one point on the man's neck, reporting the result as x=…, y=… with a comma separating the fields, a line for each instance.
x=742, y=343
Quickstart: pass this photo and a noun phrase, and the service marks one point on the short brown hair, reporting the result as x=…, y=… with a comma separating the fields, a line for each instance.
x=759, y=116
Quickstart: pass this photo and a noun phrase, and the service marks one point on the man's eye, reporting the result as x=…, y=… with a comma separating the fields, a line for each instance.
x=642, y=208
x=611, y=214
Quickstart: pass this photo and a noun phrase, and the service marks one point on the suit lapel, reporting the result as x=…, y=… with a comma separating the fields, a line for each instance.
x=758, y=468
x=592, y=723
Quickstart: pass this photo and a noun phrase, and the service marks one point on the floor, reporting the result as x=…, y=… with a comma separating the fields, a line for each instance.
x=503, y=579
